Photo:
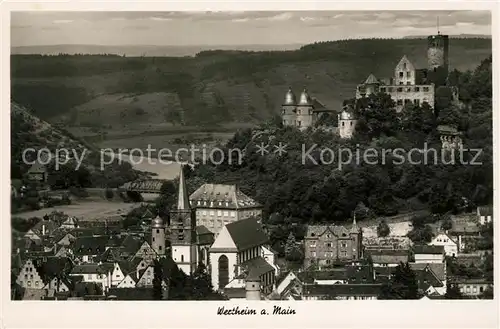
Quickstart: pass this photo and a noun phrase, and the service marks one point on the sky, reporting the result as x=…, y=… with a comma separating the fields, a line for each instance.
x=234, y=28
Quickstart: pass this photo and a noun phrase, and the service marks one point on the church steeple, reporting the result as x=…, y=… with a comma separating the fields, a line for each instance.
x=355, y=227
x=183, y=198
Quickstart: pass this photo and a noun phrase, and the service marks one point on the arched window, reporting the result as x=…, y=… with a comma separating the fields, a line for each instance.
x=223, y=271
x=182, y=258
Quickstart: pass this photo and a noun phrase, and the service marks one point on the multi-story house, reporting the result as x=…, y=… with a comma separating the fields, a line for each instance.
x=428, y=254
x=450, y=246
x=217, y=205
x=325, y=244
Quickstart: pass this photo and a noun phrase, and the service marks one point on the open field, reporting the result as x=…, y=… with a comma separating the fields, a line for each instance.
x=85, y=210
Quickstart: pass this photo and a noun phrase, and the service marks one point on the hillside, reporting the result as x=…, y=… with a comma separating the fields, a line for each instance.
x=213, y=87
x=29, y=131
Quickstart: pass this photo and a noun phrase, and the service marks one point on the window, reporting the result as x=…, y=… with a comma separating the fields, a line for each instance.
x=408, y=89
x=426, y=89
x=408, y=83
x=226, y=213
x=382, y=89
x=328, y=236
x=313, y=254
x=233, y=214
x=401, y=74
x=26, y=276
x=182, y=258
x=204, y=212
x=219, y=213
x=157, y=231
x=416, y=102
x=153, y=239
x=313, y=244
x=417, y=89
x=298, y=123
x=481, y=289
x=400, y=82
x=36, y=283
x=328, y=245
x=408, y=74
x=159, y=248
x=351, y=123
x=90, y=276
x=29, y=283
x=212, y=213
x=31, y=276
x=400, y=90
x=404, y=66
x=407, y=101
x=343, y=124
x=328, y=261
x=343, y=244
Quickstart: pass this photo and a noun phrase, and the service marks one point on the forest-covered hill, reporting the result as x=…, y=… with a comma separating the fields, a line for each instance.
x=214, y=86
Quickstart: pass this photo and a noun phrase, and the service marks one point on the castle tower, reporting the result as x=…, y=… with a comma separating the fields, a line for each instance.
x=183, y=230
x=305, y=111
x=158, y=236
x=346, y=123
x=252, y=288
x=288, y=109
x=437, y=58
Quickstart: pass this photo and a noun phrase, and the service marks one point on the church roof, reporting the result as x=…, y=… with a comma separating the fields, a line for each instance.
x=247, y=233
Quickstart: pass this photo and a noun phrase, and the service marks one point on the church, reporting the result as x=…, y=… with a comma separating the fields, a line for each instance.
x=239, y=258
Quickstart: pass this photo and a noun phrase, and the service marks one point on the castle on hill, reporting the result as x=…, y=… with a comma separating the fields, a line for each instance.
x=408, y=85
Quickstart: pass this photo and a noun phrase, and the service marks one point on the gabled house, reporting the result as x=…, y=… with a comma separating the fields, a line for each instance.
x=64, y=239
x=431, y=277
x=87, y=249
x=485, y=214
x=444, y=240
x=70, y=223
x=146, y=252
x=41, y=229
x=29, y=277
x=99, y=273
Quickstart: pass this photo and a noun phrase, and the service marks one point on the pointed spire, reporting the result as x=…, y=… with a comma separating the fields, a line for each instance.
x=354, y=228
x=183, y=199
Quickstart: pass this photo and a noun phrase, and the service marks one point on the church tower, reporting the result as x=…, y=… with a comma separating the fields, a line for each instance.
x=437, y=58
x=158, y=236
x=356, y=235
x=183, y=230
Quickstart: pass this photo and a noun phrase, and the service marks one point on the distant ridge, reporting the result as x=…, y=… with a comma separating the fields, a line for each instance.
x=142, y=50
x=457, y=36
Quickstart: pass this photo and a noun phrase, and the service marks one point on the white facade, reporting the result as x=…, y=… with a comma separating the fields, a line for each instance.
x=270, y=257
x=127, y=282
x=184, y=256
x=450, y=246
x=429, y=258
x=223, y=246
x=117, y=275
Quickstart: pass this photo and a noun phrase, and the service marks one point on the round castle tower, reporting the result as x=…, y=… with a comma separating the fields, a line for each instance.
x=305, y=111
x=158, y=236
x=288, y=109
x=346, y=123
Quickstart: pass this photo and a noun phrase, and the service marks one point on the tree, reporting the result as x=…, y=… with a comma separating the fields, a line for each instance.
x=403, y=284
x=383, y=229
x=447, y=224
x=292, y=250
x=157, y=281
x=452, y=291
